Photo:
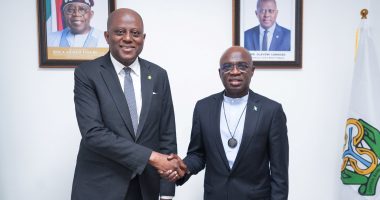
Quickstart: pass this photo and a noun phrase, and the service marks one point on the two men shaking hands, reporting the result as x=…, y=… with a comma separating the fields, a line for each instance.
x=170, y=167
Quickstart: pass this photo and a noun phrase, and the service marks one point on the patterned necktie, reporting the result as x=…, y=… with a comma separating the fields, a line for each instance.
x=265, y=41
x=129, y=93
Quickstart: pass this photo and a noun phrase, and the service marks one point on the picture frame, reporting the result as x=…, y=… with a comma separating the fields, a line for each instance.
x=285, y=47
x=68, y=37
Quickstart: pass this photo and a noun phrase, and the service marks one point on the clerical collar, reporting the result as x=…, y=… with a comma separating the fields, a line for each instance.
x=235, y=101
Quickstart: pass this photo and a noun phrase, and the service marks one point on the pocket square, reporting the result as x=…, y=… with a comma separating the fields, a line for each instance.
x=154, y=93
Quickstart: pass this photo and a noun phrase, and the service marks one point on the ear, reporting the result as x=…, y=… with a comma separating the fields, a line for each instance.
x=92, y=14
x=220, y=73
x=107, y=36
x=253, y=68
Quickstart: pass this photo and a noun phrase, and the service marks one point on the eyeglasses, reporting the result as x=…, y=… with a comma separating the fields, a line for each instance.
x=270, y=11
x=228, y=67
x=82, y=10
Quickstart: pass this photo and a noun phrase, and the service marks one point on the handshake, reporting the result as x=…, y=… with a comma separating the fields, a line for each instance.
x=170, y=167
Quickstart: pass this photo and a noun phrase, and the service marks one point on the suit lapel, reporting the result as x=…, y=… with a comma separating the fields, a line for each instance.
x=256, y=39
x=251, y=118
x=214, y=117
x=146, y=93
x=113, y=84
x=276, y=38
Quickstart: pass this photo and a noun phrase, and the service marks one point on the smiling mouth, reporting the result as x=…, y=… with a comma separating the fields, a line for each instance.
x=127, y=48
x=234, y=82
x=77, y=22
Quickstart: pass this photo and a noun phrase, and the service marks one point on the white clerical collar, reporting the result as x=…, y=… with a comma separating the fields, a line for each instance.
x=235, y=101
x=135, y=66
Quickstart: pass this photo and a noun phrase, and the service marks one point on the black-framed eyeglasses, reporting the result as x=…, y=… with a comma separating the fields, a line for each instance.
x=82, y=10
x=241, y=66
x=263, y=11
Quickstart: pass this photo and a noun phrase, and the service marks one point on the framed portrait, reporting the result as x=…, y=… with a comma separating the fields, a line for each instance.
x=271, y=30
x=72, y=31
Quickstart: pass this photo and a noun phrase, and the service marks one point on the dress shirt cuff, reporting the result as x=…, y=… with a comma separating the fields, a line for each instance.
x=167, y=197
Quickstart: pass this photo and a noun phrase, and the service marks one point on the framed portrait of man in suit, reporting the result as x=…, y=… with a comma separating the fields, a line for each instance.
x=271, y=30
x=72, y=31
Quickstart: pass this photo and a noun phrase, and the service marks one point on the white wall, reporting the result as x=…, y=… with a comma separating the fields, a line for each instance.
x=39, y=136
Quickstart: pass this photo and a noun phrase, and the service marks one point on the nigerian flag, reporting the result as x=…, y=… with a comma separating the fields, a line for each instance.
x=54, y=21
x=360, y=171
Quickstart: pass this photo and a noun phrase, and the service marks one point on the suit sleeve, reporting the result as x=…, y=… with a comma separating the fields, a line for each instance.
x=99, y=138
x=168, y=141
x=195, y=159
x=279, y=155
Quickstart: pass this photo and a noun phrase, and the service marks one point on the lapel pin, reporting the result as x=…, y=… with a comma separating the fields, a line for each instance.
x=149, y=77
x=277, y=36
x=255, y=108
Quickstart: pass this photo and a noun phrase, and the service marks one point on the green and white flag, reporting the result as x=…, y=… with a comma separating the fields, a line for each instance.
x=360, y=171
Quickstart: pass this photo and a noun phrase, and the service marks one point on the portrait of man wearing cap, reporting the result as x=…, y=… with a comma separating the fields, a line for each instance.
x=77, y=15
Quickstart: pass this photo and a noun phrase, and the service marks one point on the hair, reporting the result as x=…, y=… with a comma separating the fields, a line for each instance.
x=260, y=1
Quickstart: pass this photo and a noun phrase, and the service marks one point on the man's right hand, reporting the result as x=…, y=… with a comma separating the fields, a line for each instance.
x=170, y=167
x=174, y=175
x=162, y=163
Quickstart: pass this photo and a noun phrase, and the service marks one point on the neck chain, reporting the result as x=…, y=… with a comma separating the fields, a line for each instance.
x=232, y=142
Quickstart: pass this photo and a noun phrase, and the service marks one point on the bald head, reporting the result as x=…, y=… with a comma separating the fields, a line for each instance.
x=126, y=13
x=125, y=35
x=236, y=53
x=236, y=70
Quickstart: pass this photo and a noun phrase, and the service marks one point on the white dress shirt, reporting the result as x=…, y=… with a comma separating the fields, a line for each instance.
x=233, y=107
x=269, y=35
x=136, y=79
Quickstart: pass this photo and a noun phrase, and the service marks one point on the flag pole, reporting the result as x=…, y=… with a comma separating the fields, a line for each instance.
x=364, y=13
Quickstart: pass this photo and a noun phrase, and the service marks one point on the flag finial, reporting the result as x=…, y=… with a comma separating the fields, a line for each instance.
x=364, y=13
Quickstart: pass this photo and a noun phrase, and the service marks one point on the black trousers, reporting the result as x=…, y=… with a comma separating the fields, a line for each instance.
x=134, y=191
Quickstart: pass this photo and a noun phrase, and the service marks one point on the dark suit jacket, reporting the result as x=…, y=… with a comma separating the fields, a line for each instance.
x=260, y=170
x=280, y=39
x=110, y=154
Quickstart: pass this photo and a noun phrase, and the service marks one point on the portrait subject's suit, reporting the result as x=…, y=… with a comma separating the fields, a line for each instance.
x=110, y=154
x=260, y=170
x=280, y=39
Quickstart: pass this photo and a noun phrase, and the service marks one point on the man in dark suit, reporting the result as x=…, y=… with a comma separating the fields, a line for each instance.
x=125, y=114
x=268, y=36
x=240, y=137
